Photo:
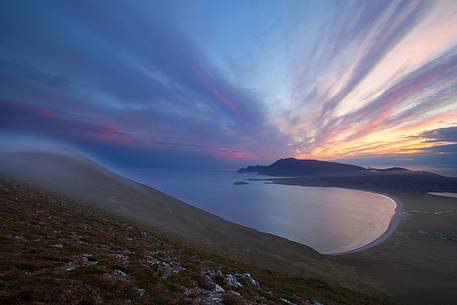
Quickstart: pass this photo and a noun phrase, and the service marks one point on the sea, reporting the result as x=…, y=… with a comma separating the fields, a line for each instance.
x=328, y=219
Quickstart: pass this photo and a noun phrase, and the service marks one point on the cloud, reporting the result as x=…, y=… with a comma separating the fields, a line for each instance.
x=438, y=152
x=153, y=79
x=343, y=111
x=135, y=82
x=448, y=134
x=382, y=27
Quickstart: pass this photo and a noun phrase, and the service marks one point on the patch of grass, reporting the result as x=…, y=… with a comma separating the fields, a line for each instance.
x=25, y=267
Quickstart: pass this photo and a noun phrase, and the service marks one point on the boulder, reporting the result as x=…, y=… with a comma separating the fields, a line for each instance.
x=218, y=289
x=119, y=273
x=233, y=281
x=70, y=266
x=250, y=280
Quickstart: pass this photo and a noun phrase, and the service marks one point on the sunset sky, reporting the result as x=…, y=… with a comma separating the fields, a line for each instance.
x=147, y=83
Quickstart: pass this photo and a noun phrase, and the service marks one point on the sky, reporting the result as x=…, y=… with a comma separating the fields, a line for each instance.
x=232, y=83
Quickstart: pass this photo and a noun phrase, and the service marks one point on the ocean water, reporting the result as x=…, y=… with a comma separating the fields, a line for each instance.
x=330, y=220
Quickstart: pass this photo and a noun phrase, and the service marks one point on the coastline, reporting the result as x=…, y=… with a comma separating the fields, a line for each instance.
x=394, y=222
x=397, y=217
x=443, y=194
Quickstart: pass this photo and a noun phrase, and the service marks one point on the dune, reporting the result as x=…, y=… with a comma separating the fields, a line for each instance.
x=91, y=184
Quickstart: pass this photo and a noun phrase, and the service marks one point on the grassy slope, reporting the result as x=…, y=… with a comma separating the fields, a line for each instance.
x=418, y=263
x=97, y=187
x=41, y=232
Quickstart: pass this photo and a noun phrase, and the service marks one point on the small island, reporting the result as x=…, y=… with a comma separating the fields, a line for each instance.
x=240, y=183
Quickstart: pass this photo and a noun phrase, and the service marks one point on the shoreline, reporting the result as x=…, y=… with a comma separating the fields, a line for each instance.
x=443, y=194
x=394, y=222
x=397, y=217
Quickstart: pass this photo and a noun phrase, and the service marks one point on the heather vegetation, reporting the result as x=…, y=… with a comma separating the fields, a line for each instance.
x=56, y=251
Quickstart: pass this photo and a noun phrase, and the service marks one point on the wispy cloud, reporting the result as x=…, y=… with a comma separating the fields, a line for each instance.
x=315, y=79
x=142, y=77
x=349, y=109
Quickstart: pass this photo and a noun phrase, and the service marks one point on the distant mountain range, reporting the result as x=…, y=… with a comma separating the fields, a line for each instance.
x=296, y=167
x=323, y=173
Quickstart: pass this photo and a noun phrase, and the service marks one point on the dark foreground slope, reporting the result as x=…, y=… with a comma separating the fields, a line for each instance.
x=55, y=251
x=94, y=186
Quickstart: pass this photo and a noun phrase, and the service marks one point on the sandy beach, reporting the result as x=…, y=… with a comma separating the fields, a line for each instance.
x=394, y=222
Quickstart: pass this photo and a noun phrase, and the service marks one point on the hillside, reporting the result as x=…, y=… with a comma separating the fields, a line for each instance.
x=93, y=186
x=55, y=251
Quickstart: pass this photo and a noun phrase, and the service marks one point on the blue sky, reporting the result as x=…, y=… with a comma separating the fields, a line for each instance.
x=229, y=83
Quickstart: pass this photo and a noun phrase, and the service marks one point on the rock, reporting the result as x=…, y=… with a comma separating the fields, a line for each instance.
x=169, y=270
x=70, y=266
x=58, y=246
x=210, y=280
x=183, y=289
x=140, y=291
x=214, y=278
x=212, y=299
x=87, y=260
x=121, y=258
x=233, y=281
x=152, y=261
x=119, y=273
x=248, y=278
x=287, y=301
x=74, y=237
x=166, y=273
x=194, y=292
x=218, y=288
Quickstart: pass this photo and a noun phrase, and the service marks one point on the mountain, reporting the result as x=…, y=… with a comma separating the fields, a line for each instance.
x=296, y=167
x=323, y=173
